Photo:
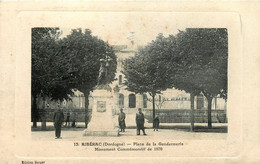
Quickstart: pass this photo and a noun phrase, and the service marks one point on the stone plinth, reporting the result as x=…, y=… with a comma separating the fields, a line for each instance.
x=102, y=122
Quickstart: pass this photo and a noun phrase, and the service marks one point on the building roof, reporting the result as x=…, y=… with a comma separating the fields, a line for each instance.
x=118, y=48
x=123, y=48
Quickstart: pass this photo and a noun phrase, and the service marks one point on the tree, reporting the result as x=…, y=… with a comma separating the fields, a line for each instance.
x=201, y=64
x=146, y=71
x=85, y=52
x=51, y=76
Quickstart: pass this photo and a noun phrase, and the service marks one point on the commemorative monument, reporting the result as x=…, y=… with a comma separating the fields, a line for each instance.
x=102, y=122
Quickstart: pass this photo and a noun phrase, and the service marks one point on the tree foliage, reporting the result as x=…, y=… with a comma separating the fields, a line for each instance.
x=50, y=75
x=194, y=60
x=204, y=57
x=147, y=71
x=50, y=68
x=60, y=65
x=201, y=63
x=85, y=52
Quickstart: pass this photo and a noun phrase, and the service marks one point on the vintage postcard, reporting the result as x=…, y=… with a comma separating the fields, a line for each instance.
x=128, y=82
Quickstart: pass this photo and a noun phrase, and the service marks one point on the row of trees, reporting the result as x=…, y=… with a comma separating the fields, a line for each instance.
x=194, y=60
x=61, y=65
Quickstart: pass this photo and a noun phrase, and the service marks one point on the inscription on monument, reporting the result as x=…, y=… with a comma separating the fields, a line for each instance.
x=101, y=106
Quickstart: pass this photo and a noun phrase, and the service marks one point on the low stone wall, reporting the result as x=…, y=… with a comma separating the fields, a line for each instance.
x=48, y=114
x=183, y=116
x=165, y=115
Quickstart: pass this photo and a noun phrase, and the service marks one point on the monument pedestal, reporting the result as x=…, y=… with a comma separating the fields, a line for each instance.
x=102, y=122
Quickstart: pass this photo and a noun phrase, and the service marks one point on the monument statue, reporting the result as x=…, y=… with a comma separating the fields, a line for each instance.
x=103, y=71
x=102, y=121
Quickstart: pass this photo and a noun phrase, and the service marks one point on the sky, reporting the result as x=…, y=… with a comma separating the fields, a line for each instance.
x=117, y=27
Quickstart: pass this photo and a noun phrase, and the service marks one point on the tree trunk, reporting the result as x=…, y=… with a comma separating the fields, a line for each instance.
x=192, y=112
x=43, y=115
x=153, y=95
x=34, y=111
x=209, y=111
x=86, y=94
x=44, y=124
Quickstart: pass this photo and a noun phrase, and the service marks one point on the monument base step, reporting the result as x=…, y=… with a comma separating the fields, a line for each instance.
x=102, y=133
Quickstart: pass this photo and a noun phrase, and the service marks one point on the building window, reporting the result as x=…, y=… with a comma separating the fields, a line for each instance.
x=121, y=101
x=200, y=101
x=132, y=101
x=144, y=100
x=120, y=79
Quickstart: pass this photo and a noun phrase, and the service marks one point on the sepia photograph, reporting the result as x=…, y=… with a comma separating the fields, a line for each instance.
x=174, y=85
